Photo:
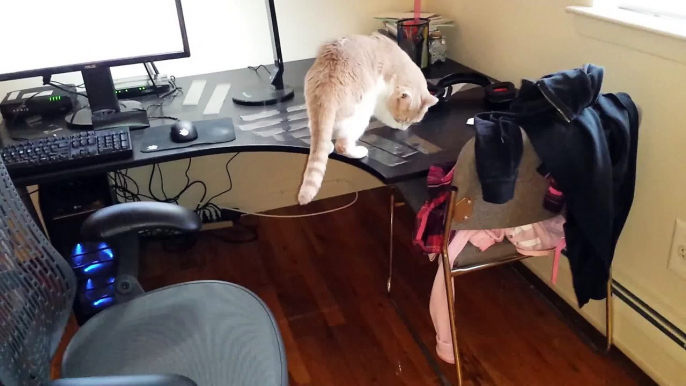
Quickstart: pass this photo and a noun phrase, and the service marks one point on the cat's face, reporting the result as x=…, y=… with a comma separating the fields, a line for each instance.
x=408, y=106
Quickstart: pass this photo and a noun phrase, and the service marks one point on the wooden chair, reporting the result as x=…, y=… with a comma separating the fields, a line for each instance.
x=468, y=211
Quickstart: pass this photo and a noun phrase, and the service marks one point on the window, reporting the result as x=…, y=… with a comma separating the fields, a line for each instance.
x=655, y=27
x=660, y=8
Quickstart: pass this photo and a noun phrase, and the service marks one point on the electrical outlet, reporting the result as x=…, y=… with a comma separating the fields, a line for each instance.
x=677, y=258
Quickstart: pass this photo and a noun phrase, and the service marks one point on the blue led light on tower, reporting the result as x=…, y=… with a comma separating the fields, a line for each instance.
x=104, y=302
x=95, y=266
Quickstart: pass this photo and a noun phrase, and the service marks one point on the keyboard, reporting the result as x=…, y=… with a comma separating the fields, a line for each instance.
x=85, y=148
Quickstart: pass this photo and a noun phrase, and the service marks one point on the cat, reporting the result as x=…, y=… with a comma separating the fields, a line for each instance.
x=351, y=80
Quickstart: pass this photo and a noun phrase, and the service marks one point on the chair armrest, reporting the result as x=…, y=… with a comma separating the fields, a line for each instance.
x=121, y=219
x=126, y=380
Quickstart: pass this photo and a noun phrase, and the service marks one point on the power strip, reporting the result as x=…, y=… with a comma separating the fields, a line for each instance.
x=226, y=215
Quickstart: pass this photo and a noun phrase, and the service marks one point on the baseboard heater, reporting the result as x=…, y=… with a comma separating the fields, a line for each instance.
x=648, y=313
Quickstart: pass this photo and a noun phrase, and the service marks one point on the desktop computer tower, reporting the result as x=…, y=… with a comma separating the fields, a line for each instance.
x=65, y=206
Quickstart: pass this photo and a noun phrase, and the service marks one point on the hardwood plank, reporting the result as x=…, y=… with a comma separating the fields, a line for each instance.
x=324, y=279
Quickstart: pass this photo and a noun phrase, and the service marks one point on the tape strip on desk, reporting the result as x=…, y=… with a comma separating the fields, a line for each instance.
x=214, y=105
x=392, y=147
x=383, y=157
x=293, y=109
x=421, y=144
x=271, y=122
x=272, y=113
x=300, y=133
x=194, y=93
x=210, y=132
x=270, y=132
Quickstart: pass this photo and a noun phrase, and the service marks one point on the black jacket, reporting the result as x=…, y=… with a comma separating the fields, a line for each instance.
x=587, y=141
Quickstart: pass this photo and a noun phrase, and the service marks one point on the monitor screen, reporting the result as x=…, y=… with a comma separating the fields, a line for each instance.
x=41, y=37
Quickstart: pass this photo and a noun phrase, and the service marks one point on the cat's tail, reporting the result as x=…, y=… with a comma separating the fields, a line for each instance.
x=321, y=127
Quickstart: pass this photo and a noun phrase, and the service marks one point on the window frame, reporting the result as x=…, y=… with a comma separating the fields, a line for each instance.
x=656, y=8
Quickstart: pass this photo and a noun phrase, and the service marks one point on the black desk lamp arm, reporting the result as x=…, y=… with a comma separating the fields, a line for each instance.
x=277, y=77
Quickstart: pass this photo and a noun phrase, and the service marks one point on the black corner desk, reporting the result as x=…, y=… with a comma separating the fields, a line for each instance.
x=445, y=127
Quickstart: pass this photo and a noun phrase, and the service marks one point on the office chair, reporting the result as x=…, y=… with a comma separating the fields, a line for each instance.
x=195, y=333
x=467, y=210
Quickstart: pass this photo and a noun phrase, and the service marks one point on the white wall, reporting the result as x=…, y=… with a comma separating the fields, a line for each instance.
x=230, y=34
x=515, y=39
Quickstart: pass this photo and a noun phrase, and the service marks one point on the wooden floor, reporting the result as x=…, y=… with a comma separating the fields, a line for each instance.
x=324, y=278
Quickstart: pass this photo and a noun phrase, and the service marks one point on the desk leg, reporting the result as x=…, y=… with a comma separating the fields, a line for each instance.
x=28, y=203
x=390, y=243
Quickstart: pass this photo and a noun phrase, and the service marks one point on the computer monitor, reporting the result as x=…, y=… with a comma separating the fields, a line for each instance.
x=42, y=38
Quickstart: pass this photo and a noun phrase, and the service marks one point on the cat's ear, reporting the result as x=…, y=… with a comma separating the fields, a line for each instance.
x=430, y=100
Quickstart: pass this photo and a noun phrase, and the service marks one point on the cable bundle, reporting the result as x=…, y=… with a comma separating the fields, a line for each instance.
x=128, y=190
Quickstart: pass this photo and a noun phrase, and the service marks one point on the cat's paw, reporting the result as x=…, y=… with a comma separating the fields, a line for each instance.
x=331, y=147
x=356, y=152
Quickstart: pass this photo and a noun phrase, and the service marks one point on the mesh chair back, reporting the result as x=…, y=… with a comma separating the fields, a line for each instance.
x=37, y=288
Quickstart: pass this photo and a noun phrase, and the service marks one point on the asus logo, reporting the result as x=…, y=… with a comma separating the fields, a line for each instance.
x=91, y=66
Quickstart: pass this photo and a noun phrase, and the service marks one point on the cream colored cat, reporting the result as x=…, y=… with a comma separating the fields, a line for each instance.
x=351, y=80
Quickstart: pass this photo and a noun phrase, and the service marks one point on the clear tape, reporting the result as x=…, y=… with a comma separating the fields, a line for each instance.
x=292, y=109
x=395, y=148
x=421, y=144
x=260, y=115
x=269, y=132
x=194, y=93
x=383, y=157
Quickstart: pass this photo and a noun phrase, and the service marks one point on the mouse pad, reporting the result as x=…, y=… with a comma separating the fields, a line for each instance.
x=158, y=138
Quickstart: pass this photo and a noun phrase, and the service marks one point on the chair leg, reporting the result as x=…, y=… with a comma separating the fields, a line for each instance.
x=609, y=314
x=451, y=313
x=390, y=243
x=447, y=275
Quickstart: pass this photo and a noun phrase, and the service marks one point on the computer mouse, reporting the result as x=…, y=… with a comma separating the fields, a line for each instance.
x=183, y=131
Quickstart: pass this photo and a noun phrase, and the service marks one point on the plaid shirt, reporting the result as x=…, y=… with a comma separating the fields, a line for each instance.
x=428, y=232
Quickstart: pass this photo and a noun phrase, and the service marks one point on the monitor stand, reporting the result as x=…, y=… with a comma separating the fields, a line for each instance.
x=276, y=92
x=104, y=110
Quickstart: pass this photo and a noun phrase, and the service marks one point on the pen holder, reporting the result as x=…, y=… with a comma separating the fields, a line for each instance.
x=413, y=38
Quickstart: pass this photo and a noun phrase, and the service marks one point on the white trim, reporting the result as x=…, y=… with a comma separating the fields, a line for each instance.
x=662, y=8
x=657, y=36
x=673, y=28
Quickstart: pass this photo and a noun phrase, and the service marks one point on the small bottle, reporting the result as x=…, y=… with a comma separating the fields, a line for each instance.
x=437, y=48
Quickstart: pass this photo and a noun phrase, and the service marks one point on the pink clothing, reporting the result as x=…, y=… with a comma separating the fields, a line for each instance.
x=537, y=239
